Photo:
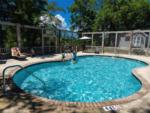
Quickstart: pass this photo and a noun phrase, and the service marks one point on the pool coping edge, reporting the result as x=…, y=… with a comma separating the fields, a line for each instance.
x=143, y=91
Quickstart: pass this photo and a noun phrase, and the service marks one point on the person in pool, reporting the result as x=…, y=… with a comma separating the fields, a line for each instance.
x=63, y=55
x=74, y=57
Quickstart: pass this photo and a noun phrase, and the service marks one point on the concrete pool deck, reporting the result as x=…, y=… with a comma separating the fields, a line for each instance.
x=27, y=104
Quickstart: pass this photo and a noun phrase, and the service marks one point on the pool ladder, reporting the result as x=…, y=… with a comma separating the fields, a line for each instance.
x=4, y=80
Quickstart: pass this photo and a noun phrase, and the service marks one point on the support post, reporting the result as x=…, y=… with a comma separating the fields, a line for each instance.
x=92, y=40
x=148, y=44
x=144, y=45
x=42, y=41
x=59, y=37
x=82, y=34
x=56, y=44
x=83, y=48
x=60, y=45
x=130, y=43
x=116, y=40
x=49, y=45
x=18, y=26
x=144, y=42
x=103, y=37
x=71, y=39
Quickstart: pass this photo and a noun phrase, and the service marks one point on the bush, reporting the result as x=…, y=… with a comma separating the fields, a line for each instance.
x=138, y=51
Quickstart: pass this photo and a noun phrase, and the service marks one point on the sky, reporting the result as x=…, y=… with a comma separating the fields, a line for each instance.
x=64, y=16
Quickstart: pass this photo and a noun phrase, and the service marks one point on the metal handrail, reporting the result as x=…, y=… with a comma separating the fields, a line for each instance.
x=4, y=82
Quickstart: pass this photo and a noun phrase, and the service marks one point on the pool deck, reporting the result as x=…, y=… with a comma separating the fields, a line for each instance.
x=24, y=103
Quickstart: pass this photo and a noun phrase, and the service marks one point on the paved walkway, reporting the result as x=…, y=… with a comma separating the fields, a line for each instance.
x=23, y=103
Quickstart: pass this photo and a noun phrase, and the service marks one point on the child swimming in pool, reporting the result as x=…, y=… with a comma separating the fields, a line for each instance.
x=63, y=56
x=74, y=57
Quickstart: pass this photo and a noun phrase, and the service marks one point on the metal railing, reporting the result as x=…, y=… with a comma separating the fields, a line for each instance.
x=4, y=80
x=6, y=52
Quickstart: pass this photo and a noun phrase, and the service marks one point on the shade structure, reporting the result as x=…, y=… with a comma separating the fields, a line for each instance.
x=85, y=38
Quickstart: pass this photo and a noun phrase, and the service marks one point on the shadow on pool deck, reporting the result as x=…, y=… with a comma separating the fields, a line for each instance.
x=19, y=102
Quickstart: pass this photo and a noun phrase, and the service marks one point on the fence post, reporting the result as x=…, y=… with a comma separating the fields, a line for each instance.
x=92, y=40
x=56, y=43
x=130, y=43
x=116, y=40
x=42, y=41
x=60, y=42
x=49, y=43
x=148, y=44
x=103, y=38
x=18, y=35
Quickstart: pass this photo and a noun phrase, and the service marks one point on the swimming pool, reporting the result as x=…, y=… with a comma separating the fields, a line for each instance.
x=91, y=79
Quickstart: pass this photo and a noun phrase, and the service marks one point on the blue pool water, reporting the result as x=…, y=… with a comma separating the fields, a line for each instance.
x=91, y=79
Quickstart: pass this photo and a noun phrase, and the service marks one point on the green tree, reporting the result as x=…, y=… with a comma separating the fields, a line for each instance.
x=123, y=15
x=52, y=7
x=28, y=12
x=10, y=39
x=83, y=12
